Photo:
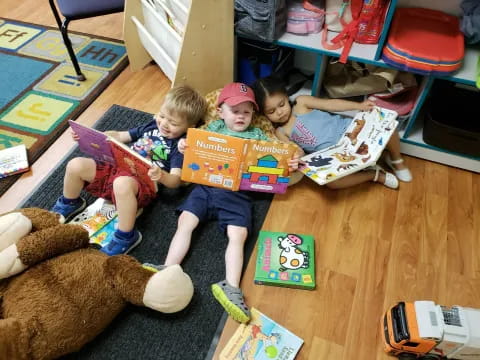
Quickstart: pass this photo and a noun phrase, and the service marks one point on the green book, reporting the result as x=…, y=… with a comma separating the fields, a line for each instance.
x=285, y=259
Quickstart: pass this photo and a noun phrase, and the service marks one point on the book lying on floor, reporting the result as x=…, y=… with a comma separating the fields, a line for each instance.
x=285, y=259
x=96, y=215
x=360, y=147
x=263, y=339
x=102, y=147
x=235, y=163
x=13, y=160
x=104, y=234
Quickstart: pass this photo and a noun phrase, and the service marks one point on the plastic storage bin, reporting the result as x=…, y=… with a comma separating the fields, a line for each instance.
x=452, y=120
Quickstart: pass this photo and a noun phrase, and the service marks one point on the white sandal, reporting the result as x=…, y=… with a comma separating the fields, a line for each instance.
x=403, y=174
x=391, y=180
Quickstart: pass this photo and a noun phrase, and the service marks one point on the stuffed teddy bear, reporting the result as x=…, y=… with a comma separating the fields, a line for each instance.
x=57, y=293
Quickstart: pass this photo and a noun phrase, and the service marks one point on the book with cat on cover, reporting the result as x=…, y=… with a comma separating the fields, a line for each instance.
x=105, y=148
x=236, y=164
x=261, y=339
x=360, y=147
x=13, y=160
x=285, y=259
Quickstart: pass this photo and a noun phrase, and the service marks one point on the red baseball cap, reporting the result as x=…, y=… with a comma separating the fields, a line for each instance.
x=236, y=93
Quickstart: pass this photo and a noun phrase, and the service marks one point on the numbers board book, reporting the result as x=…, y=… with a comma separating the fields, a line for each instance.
x=96, y=215
x=359, y=147
x=13, y=160
x=285, y=259
x=261, y=339
x=235, y=163
x=105, y=148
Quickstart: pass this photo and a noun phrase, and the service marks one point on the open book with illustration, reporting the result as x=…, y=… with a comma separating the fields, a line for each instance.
x=285, y=259
x=235, y=163
x=261, y=339
x=360, y=147
x=105, y=148
x=13, y=160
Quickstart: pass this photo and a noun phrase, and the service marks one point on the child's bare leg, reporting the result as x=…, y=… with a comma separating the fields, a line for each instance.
x=228, y=292
x=79, y=170
x=234, y=254
x=355, y=179
x=378, y=175
x=393, y=147
x=125, y=189
x=187, y=222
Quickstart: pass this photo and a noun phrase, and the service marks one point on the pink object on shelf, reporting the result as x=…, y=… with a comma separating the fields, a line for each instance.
x=402, y=103
x=302, y=21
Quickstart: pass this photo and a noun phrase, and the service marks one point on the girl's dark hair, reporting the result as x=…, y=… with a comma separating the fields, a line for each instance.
x=267, y=86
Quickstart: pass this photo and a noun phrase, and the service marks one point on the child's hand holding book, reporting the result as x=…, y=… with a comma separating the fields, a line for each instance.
x=155, y=173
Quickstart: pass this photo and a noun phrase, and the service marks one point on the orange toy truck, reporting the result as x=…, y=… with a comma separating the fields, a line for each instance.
x=425, y=331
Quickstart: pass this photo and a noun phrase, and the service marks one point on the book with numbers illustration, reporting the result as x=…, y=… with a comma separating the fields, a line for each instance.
x=359, y=147
x=102, y=147
x=261, y=339
x=285, y=259
x=13, y=160
x=235, y=163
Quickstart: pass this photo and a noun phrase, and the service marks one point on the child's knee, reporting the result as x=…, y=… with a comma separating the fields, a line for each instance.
x=124, y=185
x=78, y=165
x=237, y=233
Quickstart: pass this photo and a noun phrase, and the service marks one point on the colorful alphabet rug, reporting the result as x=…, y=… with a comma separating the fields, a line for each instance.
x=39, y=91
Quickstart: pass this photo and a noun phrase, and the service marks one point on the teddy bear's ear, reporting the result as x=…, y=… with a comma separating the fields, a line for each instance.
x=13, y=227
x=169, y=290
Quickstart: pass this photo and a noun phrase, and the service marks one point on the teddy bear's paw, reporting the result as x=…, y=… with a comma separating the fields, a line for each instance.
x=13, y=227
x=10, y=263
x=168, y=290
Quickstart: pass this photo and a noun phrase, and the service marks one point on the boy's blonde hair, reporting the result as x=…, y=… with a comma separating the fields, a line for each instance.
x=185, y=101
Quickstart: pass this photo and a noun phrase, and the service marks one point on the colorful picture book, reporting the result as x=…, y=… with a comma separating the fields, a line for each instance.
x=105, y=148
x=96, y=215
x=13, y=160
x=285, y=259
x=261, y=339
x=360, y=147
x=235, y=163
x=104, y=235
x=93, y=142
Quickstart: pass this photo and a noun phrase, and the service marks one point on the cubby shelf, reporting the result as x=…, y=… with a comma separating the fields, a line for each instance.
x=412, y=136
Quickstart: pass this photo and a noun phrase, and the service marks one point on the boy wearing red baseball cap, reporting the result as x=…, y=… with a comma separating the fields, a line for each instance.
x=232, y=209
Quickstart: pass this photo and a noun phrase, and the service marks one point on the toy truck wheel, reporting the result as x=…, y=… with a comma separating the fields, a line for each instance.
x=406, y=356
x=430, y=357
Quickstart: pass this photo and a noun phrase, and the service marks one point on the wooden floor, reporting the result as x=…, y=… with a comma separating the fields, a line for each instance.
x=374, y=246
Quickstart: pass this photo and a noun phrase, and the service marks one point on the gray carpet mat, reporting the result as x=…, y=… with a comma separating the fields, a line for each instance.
x=141, y=333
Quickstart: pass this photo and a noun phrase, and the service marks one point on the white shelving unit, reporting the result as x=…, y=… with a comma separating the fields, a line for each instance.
x=412, y=136
x=190, y=40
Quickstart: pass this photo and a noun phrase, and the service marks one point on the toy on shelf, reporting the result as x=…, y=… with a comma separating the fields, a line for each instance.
x=424, y=41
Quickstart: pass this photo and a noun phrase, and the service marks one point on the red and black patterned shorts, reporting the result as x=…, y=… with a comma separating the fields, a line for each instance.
x=102, y=185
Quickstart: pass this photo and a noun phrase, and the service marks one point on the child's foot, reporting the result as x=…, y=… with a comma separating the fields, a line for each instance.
x=154, y=267
x=68, y=208
x=385, y=178
x=399, y=168
x=231, y=298
x=122, y=245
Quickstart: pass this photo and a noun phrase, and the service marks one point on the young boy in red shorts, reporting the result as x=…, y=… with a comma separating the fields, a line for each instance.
x=182, y=108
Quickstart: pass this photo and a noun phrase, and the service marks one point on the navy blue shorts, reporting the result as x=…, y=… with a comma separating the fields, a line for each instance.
x=226, y=206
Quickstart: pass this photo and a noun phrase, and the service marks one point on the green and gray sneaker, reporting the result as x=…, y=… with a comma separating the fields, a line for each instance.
x=231, y=298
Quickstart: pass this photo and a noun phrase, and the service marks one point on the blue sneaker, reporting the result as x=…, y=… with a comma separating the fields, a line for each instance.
x=68, y=211
x=119, y=246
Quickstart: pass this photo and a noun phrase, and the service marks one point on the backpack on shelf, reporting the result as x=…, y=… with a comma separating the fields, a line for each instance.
x=355, y=20
x=301, y=21
x=264, y=20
